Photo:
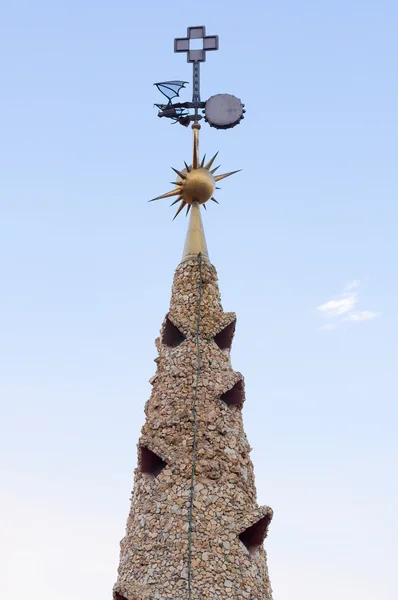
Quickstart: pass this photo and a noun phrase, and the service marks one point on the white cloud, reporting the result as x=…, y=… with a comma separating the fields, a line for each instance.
x=342, y=308
x=344, y=304
x=365, y=315
x=335, y=308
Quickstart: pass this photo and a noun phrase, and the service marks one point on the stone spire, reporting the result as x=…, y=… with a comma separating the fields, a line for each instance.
x=195, y=530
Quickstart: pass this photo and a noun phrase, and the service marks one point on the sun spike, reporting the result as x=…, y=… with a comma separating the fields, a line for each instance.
x=189, y=169
x=175, y=201
x=205, y=207
x=214, y=170
x=188, y=209
x=211, y=161
x=202, y=164
x=178, y=183
x=179, y=173
x=218, y=188
x=167, y=195
x=179, y=209
x=214, y=200
x=219, y=177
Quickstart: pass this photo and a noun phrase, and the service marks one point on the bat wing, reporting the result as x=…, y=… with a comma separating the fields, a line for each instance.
x=170, y=89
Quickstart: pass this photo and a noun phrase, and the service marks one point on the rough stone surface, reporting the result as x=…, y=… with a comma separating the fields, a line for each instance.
x=154, y=551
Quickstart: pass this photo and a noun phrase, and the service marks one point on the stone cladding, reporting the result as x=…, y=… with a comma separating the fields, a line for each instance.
x=228, y=527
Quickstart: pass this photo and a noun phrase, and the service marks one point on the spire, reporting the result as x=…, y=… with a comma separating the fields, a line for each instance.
x=195, y=241
x=195, y=529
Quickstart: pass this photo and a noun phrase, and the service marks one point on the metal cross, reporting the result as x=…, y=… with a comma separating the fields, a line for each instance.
x=210, y=42
x=196, y=55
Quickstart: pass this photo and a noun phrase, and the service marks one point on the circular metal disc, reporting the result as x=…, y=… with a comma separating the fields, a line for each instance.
x=223, y=111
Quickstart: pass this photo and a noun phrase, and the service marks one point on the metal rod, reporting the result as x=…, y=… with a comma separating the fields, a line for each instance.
x=196, y=81
x=195, y=153
x=196, y=87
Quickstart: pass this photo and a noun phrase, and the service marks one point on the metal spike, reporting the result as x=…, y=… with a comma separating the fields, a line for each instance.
x=218, y=188
x=188, y=209
x=219, y=177
x=214, y=170
x=167, y=195
x=179, y=209
x=205, y=207
x=214, y=200
x=175, y=201
x=202, y=164
x=179, y=173
x=187, y=168
x=211, y=161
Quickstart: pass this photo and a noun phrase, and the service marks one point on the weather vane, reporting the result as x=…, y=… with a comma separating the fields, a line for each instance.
x=196, y=182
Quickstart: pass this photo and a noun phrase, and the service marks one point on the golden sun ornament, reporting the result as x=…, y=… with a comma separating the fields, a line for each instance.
x=196, y=183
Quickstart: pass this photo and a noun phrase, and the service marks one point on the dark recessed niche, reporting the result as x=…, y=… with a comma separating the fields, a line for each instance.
x=224, y=338
x=151, y=464
x=119, y=597
x=253, y=536
x=235, y=396
x=172, y=336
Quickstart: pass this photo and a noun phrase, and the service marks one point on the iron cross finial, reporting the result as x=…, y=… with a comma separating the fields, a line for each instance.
x=196, y=52
x=209, y=42
x=221, y=111
x=196, y=183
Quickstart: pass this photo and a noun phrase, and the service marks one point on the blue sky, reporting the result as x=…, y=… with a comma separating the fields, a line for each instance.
x=86, y=267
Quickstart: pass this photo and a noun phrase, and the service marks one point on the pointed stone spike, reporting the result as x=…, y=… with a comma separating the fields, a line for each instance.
x=202, y=164
x=211, y=161
x=214, y=200
x=195, y=241
x=175, y=201
x=214, y=170
x=167, y=195
x=179, y=173
x=187, y=168
x=219, y=177
x=179, y=209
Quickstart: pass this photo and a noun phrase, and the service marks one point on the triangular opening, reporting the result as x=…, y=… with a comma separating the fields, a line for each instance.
x=253, y=536
x=235, y=396
x=224, y=338
x=151, y=464
x=172, y=336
